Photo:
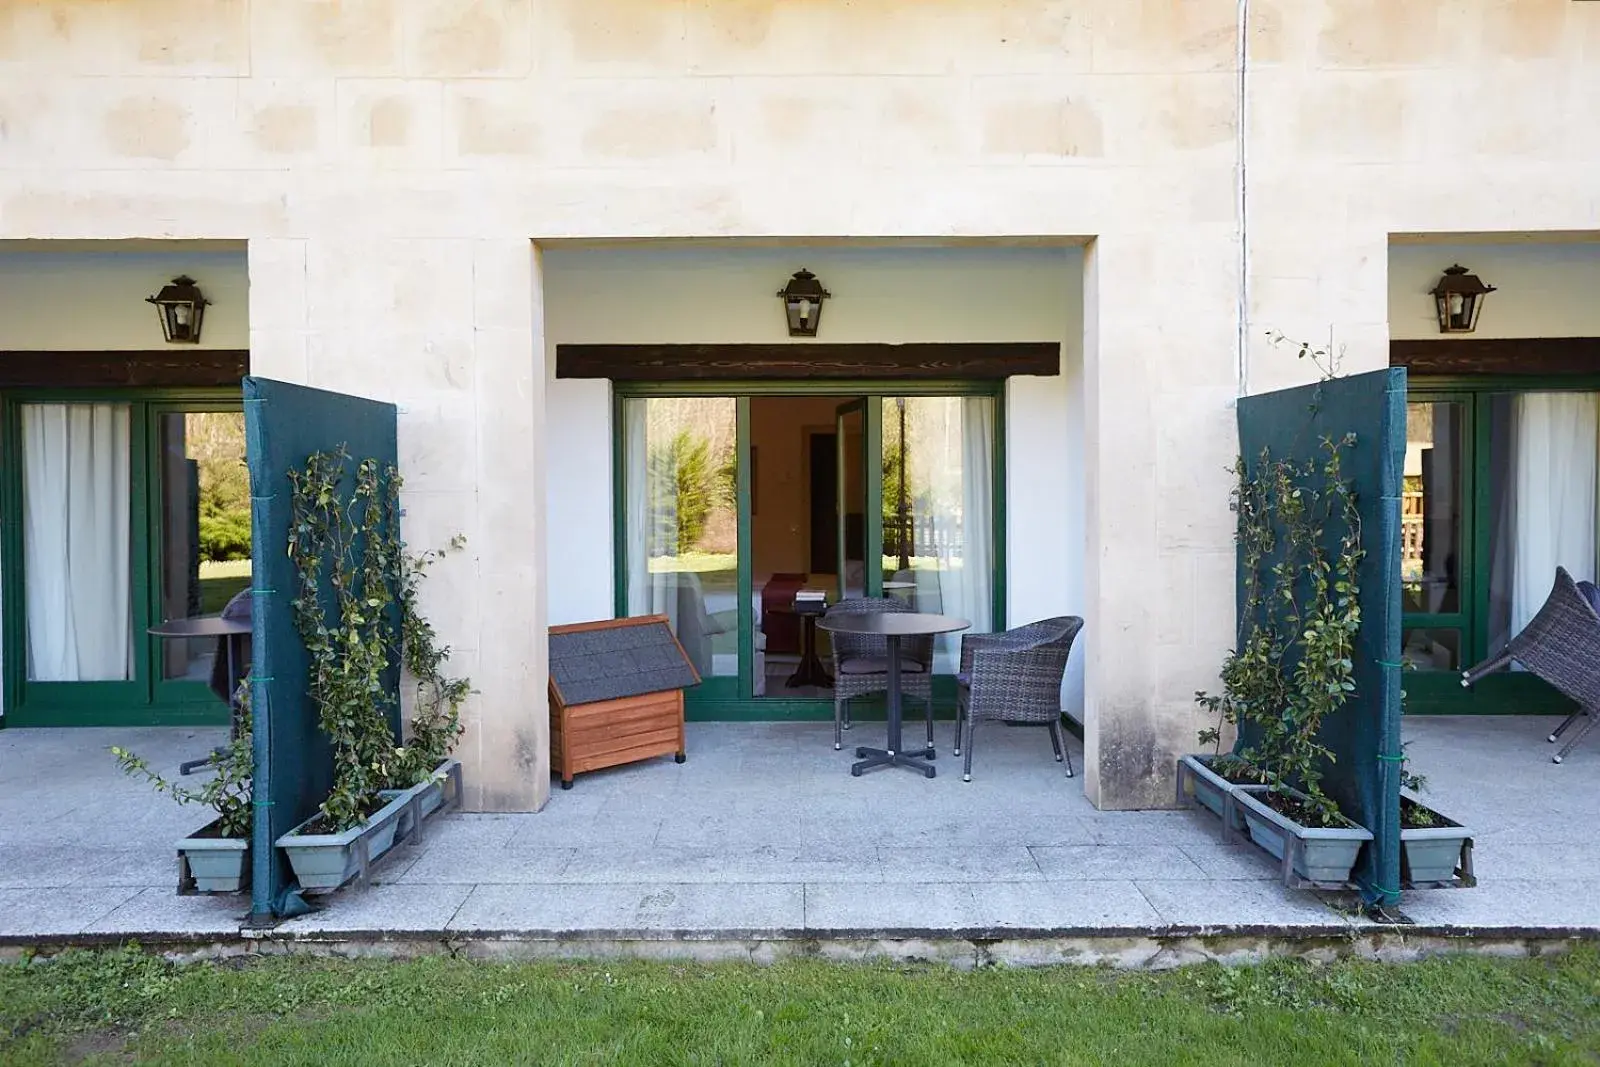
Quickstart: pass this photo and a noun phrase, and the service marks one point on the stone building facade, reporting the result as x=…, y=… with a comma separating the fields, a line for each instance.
x=404, y=177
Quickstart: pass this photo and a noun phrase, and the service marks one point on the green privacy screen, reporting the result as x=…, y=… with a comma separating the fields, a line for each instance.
x=1365, y=736
x=284, y=425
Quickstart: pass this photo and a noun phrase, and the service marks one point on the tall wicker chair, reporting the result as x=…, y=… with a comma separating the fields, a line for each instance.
x=861, y=664
x=1014, y=677
x=1561, y=645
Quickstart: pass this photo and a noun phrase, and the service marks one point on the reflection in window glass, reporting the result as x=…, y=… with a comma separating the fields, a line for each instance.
x=938, y=465
x=205, y=530
x=1433, y=508
x=682, y=523
x=1432, y=649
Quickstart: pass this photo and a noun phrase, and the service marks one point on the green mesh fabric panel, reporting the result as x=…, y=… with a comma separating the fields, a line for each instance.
x=284, y=425
x=1365, y=736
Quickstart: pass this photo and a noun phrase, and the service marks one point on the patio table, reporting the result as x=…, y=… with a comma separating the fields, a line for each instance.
x=892, y=626
x=230, y=630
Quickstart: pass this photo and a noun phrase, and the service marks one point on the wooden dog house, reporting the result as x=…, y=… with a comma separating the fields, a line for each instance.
x=616, y=693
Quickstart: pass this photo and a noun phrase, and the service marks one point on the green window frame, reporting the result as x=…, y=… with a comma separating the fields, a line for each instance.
x=733, y=699
x=147, y=699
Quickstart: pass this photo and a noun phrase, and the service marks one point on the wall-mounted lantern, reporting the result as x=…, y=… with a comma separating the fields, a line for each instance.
x=180, y=307
x=802, y=303
x=1459, y=299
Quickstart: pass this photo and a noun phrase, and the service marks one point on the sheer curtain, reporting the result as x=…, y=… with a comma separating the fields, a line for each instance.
x=1557, y=438
x=962, y=450
x=75, y=541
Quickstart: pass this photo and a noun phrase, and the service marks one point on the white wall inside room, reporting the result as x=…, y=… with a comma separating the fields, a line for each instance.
x=90, y=295
x=665, y=294
x=1544, y=289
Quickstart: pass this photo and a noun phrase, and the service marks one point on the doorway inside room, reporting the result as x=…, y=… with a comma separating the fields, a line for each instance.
x=744, y=510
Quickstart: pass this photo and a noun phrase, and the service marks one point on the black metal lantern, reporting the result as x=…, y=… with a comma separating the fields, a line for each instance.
x=1459, y=299
x=180, y=307
x=802, y=302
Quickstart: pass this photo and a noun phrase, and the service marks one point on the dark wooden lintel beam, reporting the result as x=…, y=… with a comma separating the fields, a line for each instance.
x=660, y=363
x=1518, y=355
x=158, y=368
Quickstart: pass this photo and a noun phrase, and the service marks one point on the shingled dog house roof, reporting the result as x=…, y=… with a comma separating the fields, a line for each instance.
x=595, y=661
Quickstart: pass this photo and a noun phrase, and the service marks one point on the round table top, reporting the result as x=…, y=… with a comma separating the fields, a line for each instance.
x=891, y=623
x=207, y=627
x=899, y=585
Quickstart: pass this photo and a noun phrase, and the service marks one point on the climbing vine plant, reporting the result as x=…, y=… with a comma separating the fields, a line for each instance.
x=1299, y=536
x=357, y=611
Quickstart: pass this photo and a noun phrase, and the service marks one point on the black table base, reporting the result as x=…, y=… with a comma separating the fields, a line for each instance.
x=872, y=758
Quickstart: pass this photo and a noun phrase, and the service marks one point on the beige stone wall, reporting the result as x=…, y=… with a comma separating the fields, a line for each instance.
x=389, y=160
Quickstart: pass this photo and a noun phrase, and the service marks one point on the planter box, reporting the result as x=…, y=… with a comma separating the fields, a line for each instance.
x=328, y=861
x=429, y=796
x=1204, y=786
x=1315, y=854
x=213, y=864
x=1432, y=855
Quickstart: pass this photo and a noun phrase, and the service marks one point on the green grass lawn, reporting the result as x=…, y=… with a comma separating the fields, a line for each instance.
x=122, y=1007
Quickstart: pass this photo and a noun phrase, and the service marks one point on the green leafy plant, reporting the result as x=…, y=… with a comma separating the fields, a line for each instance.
x=436, y=718
x=357, y=610
x=1299, y=534
x=227, y=791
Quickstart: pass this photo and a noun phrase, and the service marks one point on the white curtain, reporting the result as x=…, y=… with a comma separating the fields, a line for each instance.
x=963, y=540
x=1557, y=437
x=75, y=541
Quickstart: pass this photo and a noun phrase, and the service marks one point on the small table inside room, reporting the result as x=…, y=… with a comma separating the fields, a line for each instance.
x=811, y=671
x=892, y=626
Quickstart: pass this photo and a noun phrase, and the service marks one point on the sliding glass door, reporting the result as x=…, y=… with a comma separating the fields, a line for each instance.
x=131, y=509
x=1502, y=486
x=732, y=499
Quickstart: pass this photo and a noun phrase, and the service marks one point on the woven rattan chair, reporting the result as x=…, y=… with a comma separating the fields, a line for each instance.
x=861, y=664
x=1014, y=677
x=1561, y=645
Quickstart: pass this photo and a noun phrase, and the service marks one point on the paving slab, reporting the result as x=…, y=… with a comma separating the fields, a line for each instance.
x=731, y=863
x=1078, y=906
x=1009, y=863
x=380, y=909
x=159, y=912
x=28, y=913
x=1507, y=905
x=452, y=863
x=926, y=908
x=1240, y=905
x=641, y=909
x=1117, y=863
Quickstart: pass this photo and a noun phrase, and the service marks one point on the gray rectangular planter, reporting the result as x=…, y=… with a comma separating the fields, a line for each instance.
x=328, y=861
x=429, y=796
x=1431, y=855
x=1315, y=854
x=1204, y=786
x=215, y=864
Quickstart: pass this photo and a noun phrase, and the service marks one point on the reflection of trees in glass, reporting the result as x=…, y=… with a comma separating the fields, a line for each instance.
x=930, y=466
x=692, y=468
x=683, y=490
x=215, y=441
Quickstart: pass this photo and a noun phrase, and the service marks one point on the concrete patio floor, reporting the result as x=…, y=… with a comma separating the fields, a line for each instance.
x=764, y=836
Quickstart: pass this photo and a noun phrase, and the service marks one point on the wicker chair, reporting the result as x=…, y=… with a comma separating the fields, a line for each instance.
x=1014, y=677
x=861, y=664
x=1561, y=645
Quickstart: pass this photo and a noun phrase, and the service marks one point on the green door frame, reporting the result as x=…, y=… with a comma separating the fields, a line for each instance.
x=1430, y=692
x=146, y=699
x=733, y=699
